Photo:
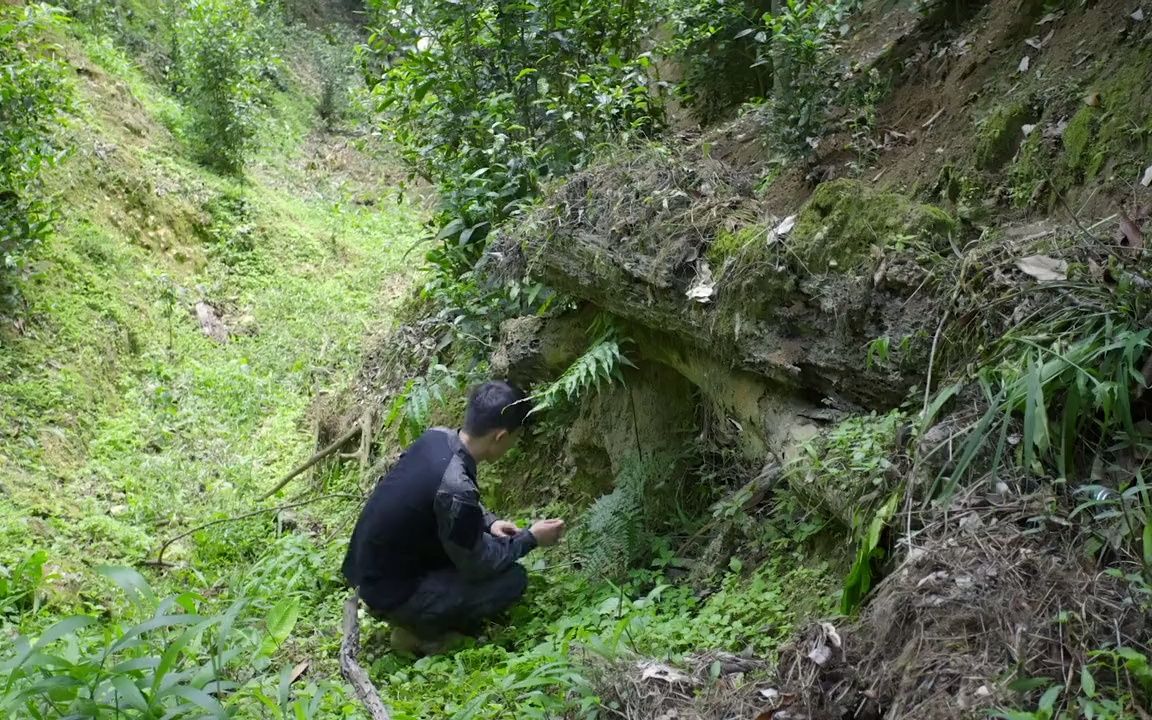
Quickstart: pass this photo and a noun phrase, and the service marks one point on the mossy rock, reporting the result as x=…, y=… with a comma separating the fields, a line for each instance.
x=1000, y=134
x=845, y=219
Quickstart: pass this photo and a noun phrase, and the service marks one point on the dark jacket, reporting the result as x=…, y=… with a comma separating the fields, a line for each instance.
x=425, y=515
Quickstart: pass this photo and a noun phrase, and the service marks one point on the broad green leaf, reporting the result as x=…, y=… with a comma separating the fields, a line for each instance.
x=281, y=620
x=1148, y=544
x=156, y=623
x=128, y=692
x=1087, y=682
x=67, y=626
x=201, y=700
x=173, y=650
x=135, y=587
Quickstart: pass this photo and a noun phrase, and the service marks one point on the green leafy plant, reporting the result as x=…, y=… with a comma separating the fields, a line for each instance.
x=411, y=410
x=801, y=43
x=222, y=55
x=33, y=99
x=1129, y=687
x=601, y=362
x=617, y=526
x=165, y=660
x=486, y=99
x=870, y=552
x=1062, y=383
x=21, y=584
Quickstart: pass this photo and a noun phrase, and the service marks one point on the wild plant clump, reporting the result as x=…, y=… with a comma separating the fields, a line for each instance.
x=33, y=96
x=222, y=57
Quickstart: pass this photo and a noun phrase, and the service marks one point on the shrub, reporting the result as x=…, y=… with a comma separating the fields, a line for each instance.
x=33, y=97
x=222, y=58
x=505, y=95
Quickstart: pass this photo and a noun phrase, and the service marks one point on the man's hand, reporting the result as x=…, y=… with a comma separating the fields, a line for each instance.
x=503, y=528
x=547, y=532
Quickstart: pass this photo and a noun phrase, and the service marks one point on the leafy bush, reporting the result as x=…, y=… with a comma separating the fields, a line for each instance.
x=802, y=76
x=162, y=658
x=721, y=46
x=487, y=99
x=618, y=524
x=222, y=56
x=33, y=97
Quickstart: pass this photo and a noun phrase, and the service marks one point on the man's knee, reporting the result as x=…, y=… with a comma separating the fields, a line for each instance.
x=505, y=589
x=516, y=580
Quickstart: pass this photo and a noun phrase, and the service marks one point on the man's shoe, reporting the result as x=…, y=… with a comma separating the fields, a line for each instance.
x=406, y=642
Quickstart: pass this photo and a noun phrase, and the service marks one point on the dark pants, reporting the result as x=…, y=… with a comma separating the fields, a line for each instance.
x=445, y=601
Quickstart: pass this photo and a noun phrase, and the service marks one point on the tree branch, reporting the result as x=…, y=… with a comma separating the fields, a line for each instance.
x=168, y=543
x=350, y=667
x=339, y=443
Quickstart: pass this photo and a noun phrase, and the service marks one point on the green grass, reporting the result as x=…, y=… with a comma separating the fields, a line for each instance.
x=123, y=421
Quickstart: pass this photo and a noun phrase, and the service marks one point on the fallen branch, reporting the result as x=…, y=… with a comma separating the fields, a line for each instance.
x=159, y=562
x=336, y=445
x=350, y=667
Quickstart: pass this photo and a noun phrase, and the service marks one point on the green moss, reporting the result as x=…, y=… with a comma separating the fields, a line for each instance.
x=1100, y=136
x=845, y=219
x=728, y=244
x=999, y=135
x=1078, y=138
x=1030, y=171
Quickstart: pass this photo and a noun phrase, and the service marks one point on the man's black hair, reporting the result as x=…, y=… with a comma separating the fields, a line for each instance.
x=495, y=405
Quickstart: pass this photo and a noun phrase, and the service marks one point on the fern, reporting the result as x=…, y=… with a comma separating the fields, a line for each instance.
x=600, y=363
x=617, y=526
x=411, y=410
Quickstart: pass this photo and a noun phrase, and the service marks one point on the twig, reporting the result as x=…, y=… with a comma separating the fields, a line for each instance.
x=159, y=562
x=350, y=667
x=932, y=120
x=339, y=443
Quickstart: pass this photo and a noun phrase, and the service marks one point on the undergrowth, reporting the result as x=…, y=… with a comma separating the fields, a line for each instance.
x=538, y=665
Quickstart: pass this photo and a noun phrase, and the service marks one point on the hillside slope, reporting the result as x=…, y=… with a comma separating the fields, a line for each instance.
x=175, y=331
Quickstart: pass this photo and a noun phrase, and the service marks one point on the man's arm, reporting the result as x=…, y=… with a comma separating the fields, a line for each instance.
x=462, y=527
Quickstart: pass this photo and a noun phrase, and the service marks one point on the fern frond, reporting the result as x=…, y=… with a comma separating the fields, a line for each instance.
x=617, y=524
x=600, y=364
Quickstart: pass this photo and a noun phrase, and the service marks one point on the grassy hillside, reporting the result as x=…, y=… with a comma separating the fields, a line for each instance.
x=122, y=422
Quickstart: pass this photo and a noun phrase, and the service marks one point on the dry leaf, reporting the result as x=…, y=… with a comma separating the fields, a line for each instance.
x=1027, y=129
x=298, y=671
x=820, y=655
x=1131, y=232
x=702, y=288
x=786, y=226
x=1147, y=179
x=830, y=631
x=1138, y=16
x=1050, y=17
x=1056, y=131
x=1043, y=268
x=1092, y=99
x=1034, y=42
x=1025, y=63
x=664, y=673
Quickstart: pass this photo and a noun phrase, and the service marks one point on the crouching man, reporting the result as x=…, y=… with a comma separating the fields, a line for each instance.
x=426, y=555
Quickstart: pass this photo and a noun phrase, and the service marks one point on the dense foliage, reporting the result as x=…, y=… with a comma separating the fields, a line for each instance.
x=33, y=96
x=488, y=99
x=222, y=54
